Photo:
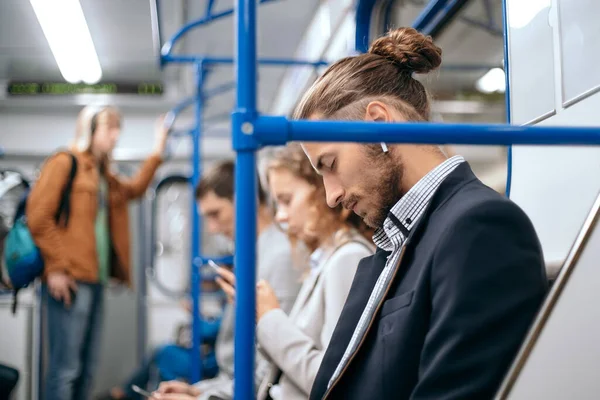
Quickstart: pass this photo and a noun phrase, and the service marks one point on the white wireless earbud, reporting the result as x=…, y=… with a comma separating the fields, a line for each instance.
x=384, y=147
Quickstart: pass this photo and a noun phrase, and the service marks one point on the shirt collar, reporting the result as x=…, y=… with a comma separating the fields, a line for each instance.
x=406, y=212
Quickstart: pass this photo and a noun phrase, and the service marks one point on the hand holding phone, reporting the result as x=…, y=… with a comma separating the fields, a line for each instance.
x=226, y=280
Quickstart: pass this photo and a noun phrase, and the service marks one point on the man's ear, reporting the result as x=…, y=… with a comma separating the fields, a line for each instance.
x=377, y=111
x=380, y=112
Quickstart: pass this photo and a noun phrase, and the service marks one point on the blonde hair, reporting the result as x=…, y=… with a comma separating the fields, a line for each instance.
x=87, y=120
x=384, y=73
x=83, y=128
x=326, y=224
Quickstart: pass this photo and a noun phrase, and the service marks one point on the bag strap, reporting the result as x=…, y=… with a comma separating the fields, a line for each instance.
x=357, y=240
x=21, y=206
x=14, y=301
x=64, y=208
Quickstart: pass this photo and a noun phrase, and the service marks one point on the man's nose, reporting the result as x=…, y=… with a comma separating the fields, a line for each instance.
x=212, y=227
x=334, y=192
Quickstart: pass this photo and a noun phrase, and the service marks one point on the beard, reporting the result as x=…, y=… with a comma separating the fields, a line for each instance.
x=383, y=184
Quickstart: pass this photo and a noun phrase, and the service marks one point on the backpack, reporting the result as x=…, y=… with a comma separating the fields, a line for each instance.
x=23, y=259
x=13, y=186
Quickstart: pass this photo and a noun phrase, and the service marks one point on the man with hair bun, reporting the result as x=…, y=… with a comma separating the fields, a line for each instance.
x=441, y=309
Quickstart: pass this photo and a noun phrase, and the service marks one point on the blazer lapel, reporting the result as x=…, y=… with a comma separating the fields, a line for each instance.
x=364, y=281
x=397, y=268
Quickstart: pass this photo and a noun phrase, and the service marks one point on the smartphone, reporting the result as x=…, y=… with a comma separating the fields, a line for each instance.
x=213, y=265
x=141, y=391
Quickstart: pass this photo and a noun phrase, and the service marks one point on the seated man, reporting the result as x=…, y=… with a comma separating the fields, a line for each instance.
x=215, y=198
x=441, y=309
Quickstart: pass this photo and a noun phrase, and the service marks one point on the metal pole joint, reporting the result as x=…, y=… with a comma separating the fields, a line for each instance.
x=244, y=131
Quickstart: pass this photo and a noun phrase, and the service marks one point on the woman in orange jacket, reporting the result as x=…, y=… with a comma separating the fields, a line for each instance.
x=93, y=248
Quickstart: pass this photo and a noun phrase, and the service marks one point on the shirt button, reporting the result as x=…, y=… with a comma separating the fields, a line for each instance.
x=408, y=221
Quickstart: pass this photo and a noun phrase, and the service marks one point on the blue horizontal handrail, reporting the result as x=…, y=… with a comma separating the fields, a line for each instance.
x=278, y=130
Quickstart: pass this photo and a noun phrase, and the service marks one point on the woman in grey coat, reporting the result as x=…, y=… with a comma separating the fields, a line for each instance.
x=293, y=344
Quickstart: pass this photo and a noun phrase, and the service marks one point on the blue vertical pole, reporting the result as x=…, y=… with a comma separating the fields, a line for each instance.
x=196, y=366
x=507, y=95
x=245, y=198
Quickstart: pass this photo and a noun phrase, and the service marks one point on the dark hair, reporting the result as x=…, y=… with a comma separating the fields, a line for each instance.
x=220, y=180
x=383, y=73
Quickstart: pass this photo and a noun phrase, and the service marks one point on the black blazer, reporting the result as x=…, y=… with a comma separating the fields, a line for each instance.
x=467, y=288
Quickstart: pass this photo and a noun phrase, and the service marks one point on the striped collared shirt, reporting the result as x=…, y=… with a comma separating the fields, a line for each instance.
x=391, y=237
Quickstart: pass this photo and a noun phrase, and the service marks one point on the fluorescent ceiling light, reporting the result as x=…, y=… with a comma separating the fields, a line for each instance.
x=493, y=81
x=69, y=38
x=522, y=12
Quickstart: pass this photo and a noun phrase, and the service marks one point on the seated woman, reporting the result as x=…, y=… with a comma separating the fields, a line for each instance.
x=294, y=344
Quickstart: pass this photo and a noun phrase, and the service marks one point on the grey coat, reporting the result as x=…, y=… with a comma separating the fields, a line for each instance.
x=294, y=344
